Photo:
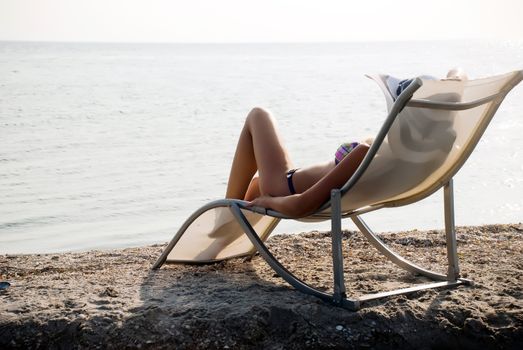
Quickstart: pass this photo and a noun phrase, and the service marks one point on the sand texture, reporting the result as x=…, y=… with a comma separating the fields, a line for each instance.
x=111, y=299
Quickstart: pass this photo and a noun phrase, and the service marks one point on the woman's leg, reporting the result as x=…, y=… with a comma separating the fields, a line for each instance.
x=253, y=191
x=261, y=149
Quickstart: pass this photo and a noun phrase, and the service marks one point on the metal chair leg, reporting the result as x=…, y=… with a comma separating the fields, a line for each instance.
x=450, y=232
x=337, y=251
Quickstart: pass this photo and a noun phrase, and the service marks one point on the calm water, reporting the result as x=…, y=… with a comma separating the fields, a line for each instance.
x=113, y=145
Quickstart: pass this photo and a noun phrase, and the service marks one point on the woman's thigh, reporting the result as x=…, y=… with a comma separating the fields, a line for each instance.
x=272, y=158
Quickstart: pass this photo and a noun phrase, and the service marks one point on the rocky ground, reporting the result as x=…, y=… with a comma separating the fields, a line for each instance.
x=111, y=299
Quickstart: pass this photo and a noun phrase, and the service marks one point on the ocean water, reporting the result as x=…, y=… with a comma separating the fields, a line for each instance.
x=115, y=145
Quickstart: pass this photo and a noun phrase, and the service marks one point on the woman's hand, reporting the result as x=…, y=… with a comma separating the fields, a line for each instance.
x=288, y=205
x=261, y=201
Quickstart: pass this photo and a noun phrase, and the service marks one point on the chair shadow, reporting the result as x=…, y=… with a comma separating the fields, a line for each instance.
x=176, y=285
x=215, y=305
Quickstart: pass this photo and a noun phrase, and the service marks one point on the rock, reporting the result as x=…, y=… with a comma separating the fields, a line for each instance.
x=109, y=292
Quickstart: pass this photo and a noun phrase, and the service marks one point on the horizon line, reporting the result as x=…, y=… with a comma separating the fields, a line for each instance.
x=254, y=42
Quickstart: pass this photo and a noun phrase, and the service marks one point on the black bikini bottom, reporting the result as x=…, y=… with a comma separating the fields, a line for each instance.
x=290, y=173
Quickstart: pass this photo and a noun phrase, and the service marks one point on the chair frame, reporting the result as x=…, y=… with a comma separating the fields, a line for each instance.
x=339, y=296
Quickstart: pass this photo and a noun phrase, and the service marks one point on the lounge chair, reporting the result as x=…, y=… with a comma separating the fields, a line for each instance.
x=430, y=131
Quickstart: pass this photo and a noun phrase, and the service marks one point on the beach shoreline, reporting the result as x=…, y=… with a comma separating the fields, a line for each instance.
x=112, y=299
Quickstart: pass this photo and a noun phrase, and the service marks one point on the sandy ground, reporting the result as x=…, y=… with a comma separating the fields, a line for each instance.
x=111, y=299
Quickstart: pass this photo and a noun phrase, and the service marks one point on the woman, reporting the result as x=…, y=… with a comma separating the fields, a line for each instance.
x=281, y=187
x=293, y=192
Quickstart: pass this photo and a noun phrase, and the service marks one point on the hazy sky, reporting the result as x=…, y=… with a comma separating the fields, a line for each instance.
x=258, y=21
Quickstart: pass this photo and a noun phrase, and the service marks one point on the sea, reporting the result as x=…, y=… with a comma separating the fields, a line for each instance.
x=108, y=145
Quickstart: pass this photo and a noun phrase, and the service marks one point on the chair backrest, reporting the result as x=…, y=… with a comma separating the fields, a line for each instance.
x=428, y=141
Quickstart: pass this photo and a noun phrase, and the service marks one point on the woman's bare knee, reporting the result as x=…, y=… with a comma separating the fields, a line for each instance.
x=258, y=114
x=259, y=111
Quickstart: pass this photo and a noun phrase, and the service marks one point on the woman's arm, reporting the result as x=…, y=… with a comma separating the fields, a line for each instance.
x=303, y=204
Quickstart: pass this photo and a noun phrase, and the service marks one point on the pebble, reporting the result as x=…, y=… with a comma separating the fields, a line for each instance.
x=339, y=327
